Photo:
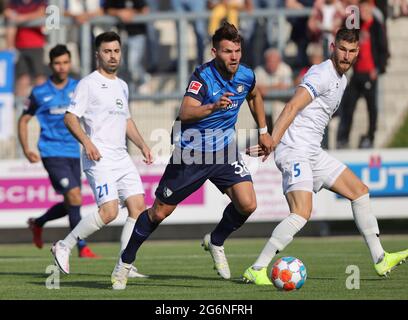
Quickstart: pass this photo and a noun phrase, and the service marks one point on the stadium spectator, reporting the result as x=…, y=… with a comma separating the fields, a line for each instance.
x=315, y=55
x=200, y=29
x=101, y=102
x=326, y=18
x=299, y=33
x=371, y=63
x=251, y=28
x=399, y=8
x=58, y=148
x=306, y=168
x=226, y=10
x=126, y=11
x=153, y=47
x=274, y=75
x=27, y=42
x=81, y=11
x=212, y=101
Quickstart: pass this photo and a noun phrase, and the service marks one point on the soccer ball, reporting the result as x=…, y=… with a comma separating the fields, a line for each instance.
x=288, y=273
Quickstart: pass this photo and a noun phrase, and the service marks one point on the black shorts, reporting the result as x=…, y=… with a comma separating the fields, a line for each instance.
x=181, y=180
x=30, y=61
x=64, y=173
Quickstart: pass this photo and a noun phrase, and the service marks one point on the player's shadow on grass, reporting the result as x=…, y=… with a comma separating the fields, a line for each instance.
x=78, y=284
x=180, y=277
x=28, y=274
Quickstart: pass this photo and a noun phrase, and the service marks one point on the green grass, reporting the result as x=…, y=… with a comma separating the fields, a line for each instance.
x=182, y=270
x=400, y=139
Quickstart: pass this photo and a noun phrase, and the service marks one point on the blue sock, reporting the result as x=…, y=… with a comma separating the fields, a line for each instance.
x=55, y=212
x=142, y=230
x=231, y=221
x=74, y=216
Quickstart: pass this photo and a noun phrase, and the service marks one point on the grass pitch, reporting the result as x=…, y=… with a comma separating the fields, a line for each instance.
x=182, y=270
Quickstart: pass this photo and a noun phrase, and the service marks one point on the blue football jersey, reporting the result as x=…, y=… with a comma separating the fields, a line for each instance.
x=48, y=104
x=217, y=130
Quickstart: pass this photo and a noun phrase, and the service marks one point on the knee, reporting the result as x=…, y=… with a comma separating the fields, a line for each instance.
x=108, y=214
x=73, y=198
x=159, y=212
x=247, y=208
x=361, y=191
x=303, y=212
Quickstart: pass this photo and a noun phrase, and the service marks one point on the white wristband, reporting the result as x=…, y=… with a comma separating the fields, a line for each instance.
x=263, y=130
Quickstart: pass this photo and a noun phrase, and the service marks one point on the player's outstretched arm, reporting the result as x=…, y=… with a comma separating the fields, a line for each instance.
x=299, y=101
x=22, y=137
x=134, y=135
x=192, y=110
x=72, y=123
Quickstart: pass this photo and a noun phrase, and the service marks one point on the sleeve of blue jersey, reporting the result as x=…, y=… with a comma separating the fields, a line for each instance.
x=200, y=95
x=32, y=106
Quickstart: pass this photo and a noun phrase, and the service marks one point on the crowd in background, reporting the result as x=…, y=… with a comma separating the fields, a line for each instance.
x=274, y=71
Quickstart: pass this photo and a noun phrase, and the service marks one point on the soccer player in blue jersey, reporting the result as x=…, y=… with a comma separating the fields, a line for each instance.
x=59, y=151
x=206, y=150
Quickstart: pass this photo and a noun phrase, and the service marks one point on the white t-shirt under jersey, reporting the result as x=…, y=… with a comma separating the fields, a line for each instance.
x=326, y=88
x=102, y=105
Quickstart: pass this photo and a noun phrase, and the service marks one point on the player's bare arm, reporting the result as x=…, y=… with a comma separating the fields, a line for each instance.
x=256, y=106
x=22, y=137
x=72, y=123
x=299, y=101
x=134, y=135
x=192, y=110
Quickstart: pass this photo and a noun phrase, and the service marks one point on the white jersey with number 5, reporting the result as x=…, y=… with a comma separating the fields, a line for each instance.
x=326, y=87
x=102, y=105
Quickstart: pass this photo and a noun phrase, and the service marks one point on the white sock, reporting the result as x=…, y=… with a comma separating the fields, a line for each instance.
x=87, y=226
x=367, y=225
x=127, y=233
x=281, y=237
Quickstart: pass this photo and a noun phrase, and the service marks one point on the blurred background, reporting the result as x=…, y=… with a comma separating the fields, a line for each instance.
x=163, y=41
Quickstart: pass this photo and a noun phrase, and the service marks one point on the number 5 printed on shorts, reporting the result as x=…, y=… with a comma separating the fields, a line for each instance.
x=102, y=190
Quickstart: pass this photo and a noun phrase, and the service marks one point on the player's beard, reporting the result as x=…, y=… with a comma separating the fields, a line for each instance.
x=111, y=69
x=343, y=66
x=226, y=69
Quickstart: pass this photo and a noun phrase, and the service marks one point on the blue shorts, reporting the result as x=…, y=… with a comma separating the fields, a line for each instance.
x=64, y=173
x=181, y=179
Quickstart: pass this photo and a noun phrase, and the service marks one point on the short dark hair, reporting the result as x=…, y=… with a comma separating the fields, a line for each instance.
x=227, y=31
x=57, y=51
x=348, y=35
x=109, y=36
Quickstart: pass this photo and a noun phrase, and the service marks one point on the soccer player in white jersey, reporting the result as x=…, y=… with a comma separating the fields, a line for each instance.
x=306, y=168
x=100, y=101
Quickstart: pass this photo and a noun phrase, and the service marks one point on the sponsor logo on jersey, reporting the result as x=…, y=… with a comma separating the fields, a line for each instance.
x=104, y=86
x=194, y=87
x=240, y=88
x=59, y=110
x=119, y=103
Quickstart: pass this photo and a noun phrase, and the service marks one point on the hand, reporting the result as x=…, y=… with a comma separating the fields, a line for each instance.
x=147, y=154
x=373, y=75
x=32, y=156
x=224, y=101
x=92, y=152
x=264, y=148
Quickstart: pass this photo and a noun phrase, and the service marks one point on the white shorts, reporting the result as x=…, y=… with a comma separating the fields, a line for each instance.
x=307, y=172
x=110, y=181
